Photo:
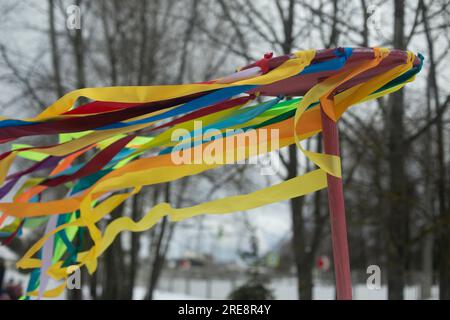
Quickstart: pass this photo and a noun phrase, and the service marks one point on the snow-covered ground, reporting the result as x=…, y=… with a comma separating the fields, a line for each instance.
x=283, y=289
x=320, y=293
x=139, y=294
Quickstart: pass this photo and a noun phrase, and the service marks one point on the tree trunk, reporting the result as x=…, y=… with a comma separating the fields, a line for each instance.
x=133, y=267
x=159, y=254
x=427, y=267
x=55, y=50
x=304, y=274
x=78, y=44
x=444, y=230
x=398, y=216
x=114, y=265
x=93, y=280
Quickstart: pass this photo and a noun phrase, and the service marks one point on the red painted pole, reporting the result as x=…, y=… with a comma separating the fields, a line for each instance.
x=337, y=212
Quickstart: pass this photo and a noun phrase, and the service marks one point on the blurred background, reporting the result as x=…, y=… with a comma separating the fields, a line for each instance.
x=395, y=149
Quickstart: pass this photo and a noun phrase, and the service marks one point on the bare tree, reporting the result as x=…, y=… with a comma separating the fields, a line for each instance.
x=443, y=232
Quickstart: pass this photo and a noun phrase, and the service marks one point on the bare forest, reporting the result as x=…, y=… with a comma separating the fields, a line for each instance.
x=395, y=150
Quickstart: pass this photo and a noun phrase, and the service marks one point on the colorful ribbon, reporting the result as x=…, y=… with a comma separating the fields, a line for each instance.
x=131, y=130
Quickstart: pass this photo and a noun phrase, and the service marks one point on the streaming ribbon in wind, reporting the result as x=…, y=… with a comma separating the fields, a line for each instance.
x=122, y=140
